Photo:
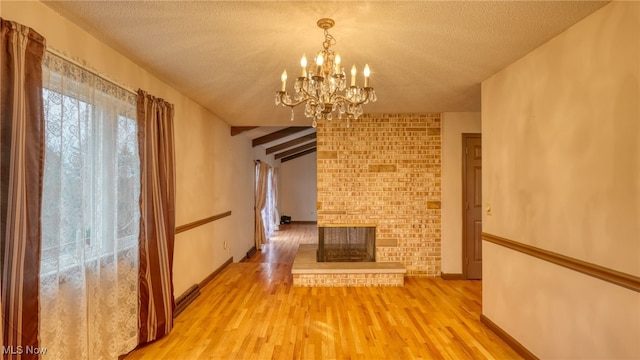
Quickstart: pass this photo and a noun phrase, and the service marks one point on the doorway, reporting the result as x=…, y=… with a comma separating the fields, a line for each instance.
x=472, y=206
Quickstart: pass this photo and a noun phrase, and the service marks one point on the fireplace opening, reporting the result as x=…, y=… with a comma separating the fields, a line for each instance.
x=346, y=244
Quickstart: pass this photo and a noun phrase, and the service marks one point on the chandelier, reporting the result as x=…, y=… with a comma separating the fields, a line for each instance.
x=323, y=88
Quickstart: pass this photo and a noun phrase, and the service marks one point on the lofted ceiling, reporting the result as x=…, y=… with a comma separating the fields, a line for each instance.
x=425, y=56
x=285, y=143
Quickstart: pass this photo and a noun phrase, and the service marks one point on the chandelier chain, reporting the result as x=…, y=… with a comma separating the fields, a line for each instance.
x=329, y=40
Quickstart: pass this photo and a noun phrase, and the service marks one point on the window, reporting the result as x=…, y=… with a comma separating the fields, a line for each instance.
x=91, y=177
x=90, y=215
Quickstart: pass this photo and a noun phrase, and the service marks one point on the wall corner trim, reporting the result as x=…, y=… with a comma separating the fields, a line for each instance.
x=193, y=292
x=625, y=280
x=445, y=276
x=513, y=343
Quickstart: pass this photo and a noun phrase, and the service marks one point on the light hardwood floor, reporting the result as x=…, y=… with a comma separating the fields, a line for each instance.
x=251, y=311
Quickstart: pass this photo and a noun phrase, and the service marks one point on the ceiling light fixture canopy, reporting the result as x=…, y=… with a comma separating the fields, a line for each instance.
x=323, y=88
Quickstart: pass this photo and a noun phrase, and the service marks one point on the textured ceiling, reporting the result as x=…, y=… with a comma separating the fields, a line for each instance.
x=425, y=56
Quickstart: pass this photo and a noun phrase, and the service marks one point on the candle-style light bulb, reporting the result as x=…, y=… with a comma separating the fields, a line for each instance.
x=353, y=75
x=319, y=62
x=284, y=79
x=337, y=61
x=367, y=72
x=303, y=63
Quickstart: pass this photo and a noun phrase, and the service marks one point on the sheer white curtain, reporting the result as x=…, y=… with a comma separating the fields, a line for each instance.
x=90, y=216
x=268, y=211
x=274, y=190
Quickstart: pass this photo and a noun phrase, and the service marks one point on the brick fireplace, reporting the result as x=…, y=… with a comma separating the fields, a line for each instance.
x=385, y=169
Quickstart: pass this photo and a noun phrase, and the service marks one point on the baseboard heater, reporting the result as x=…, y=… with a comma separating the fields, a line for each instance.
x=251, y=252
x=186, y=298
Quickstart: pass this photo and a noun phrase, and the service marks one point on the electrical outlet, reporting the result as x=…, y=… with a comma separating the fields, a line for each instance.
x=226, y=245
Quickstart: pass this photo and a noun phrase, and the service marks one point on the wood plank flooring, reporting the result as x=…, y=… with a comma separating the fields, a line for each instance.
x=251, y=311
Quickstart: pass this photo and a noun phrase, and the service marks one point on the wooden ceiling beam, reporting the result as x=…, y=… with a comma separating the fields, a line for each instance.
x=291, y=143
x=278, y=135
x=310, y=151
x=294, y=150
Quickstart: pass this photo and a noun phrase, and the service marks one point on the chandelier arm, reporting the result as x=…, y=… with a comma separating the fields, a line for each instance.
x=294, y=104
x=309, y=95
x=342, y=97
x=334, y=95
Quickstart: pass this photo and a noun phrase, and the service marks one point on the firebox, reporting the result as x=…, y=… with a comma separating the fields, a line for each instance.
x=346, y=243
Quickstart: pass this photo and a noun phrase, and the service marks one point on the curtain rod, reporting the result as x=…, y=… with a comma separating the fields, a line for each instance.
x=91, y=71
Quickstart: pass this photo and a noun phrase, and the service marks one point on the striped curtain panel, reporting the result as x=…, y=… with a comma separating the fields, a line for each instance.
x=157, y=216
x=21, y=169
x=262, y=172
x=275, y=193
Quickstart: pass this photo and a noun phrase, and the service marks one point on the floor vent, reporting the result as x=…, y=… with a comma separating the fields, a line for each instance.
x=251, y=252
x=186, y=298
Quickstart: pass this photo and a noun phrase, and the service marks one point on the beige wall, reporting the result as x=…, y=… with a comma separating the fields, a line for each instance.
x=298, y=188
x=242, y=188
x=453, y=126
x=385, y=170
x=561, y=171
x=204, y=184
